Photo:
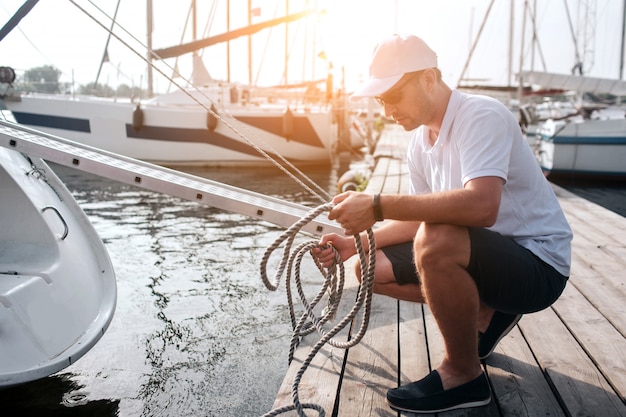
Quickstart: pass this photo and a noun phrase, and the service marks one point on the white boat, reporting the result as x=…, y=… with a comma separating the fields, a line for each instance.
x=590, y=143
x=579, y=147
x=57, y=285
x=210, y=123
x=172, y=129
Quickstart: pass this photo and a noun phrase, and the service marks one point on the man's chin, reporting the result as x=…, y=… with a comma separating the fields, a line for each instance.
x=406, y=124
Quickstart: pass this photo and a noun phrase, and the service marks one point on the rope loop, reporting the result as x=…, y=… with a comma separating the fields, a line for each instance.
x=331, y=288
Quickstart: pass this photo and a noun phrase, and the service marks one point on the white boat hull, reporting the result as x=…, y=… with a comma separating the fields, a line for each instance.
x=589, y=148
x=180, y=134
x=57, y=285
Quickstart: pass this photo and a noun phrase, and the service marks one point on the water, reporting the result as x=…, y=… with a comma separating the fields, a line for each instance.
x=610, y=195
x=195, y=332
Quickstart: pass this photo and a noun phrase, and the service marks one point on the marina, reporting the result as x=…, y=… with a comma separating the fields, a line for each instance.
x=187, y=326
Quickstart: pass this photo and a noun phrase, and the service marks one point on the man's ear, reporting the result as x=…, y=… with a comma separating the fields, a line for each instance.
x=429, y=77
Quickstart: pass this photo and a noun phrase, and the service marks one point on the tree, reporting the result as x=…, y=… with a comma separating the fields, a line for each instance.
x=124, y=90
x=44, y=79
x=100, y=90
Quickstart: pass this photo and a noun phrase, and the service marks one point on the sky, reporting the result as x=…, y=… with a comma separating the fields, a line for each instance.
x=57, y=33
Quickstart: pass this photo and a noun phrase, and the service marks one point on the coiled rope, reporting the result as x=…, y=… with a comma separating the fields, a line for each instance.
x=334, y=277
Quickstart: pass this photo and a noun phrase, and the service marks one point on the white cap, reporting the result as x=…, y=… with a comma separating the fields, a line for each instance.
x=393, y=57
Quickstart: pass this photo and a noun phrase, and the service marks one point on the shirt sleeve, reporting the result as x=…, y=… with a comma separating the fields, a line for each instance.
x=485, y=141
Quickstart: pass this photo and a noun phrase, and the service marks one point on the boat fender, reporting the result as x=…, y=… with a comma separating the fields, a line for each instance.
x=7, y=75
x=137, y=118
x=234, y=95
x=211, y=119
x=288, y=123
x=349, y=181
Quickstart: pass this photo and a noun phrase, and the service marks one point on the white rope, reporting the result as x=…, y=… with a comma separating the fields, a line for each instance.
x=333, y=286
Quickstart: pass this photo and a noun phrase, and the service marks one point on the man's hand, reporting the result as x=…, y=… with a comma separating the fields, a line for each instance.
x=325, y=254
x=353, y=211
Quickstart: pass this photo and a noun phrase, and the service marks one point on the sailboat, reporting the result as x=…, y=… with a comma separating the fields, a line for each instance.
x=213, y=123
x=589, y=144
x=175, y=130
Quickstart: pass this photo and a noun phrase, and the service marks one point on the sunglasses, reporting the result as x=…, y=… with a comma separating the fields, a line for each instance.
x=395, y=95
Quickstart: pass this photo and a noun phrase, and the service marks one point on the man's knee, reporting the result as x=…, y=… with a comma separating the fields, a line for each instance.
x=435, y=243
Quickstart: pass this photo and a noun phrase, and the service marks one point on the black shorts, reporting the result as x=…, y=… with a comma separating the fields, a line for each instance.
x=509, y=277
x=402, y=262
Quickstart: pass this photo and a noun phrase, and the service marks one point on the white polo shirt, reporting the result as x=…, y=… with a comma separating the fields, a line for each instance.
x=480, y=137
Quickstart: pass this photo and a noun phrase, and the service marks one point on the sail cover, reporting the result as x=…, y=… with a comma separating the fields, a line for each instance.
x=575, y=82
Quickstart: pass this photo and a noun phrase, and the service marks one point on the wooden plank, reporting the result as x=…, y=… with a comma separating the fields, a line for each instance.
x=393, y=179
x=602, y=294
x=414, y=361
x=606, y=221
x=602, y=342
x=376, y=181
x=372, y=364
x=518, y=382
x=393, y=142
x=320, y=381
x=581, y=387
x=604, y=265
x=322, y=377
x=590, y=239
x=597, y=272
x=592, y=233
x=437, y=352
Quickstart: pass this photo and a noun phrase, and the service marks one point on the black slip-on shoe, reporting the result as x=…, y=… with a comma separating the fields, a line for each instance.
x=500, y=325
x=428, y=396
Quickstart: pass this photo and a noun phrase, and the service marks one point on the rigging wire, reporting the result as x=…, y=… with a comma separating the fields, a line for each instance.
x=266, y=47
x=284, y=165
x=182, y=36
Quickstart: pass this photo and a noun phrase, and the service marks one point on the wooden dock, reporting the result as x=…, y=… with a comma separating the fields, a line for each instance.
x=567, y=360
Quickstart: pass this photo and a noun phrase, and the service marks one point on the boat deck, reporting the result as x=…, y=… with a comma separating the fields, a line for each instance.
x=567, y=360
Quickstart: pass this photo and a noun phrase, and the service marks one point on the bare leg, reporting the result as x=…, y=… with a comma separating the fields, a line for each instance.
x=485, y=314
x=442, y=255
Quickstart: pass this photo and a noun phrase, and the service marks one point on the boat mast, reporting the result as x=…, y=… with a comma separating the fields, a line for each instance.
x=520, y=84
x=249, y=43
x=105, y=54
x=287, y=43
x=621, y=61
x=15, y=19
x=511, y=31
x=471, y=53
x=228, y=42
x=194, y=23
x=149, y=44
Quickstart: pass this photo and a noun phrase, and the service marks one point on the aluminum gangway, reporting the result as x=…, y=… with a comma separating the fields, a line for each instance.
x=160, y=179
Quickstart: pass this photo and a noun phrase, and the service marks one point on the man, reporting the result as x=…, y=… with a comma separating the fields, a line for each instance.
x=481, y=237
